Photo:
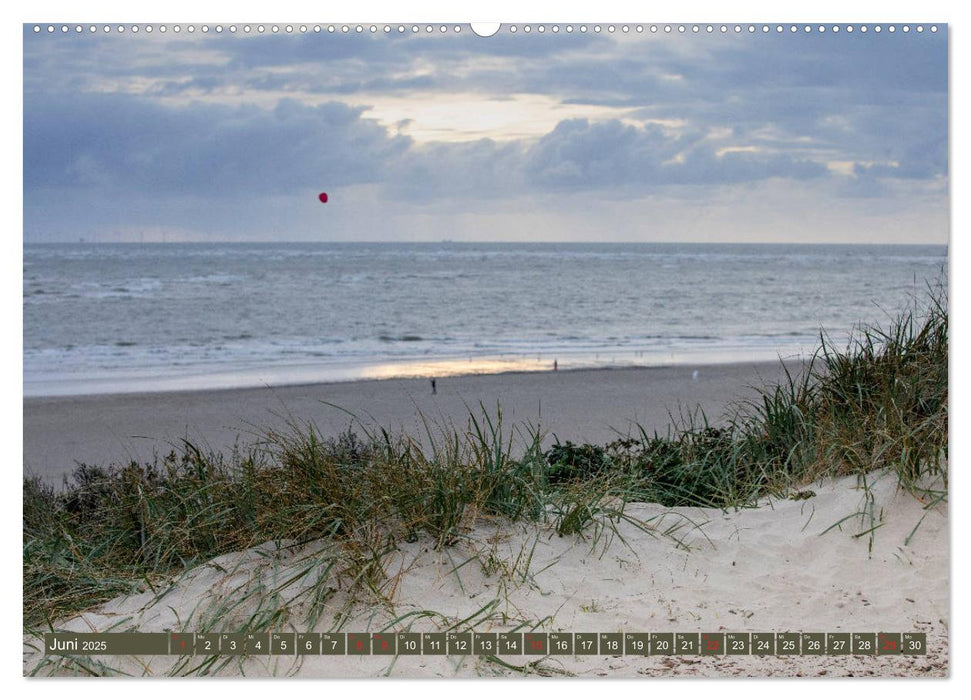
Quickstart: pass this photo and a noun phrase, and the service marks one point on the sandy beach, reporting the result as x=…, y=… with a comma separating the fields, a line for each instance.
x=580, y=405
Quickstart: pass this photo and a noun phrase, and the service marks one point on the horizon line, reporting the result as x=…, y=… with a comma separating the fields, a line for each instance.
x=477, y=242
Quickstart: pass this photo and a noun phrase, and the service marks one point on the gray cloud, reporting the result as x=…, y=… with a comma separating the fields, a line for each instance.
x=119, y=143
x=582, y=155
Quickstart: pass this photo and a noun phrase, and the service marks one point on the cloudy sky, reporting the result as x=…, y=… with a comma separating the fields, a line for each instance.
x=654, y=137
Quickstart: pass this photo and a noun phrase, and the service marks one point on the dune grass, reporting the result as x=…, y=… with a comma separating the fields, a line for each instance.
x=879, y=403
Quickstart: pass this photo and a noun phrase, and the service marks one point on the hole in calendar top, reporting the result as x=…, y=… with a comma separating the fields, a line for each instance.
x=485, y=28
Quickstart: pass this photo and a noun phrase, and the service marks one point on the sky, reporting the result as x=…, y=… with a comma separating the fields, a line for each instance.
x=765, y=137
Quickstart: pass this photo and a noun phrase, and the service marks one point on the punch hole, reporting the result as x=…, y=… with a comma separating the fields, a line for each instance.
x=934, y=28
x=483, y=29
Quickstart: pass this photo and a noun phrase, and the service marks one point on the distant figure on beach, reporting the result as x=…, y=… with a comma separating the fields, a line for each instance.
x=694, y=376
x=434, y=388
x=555, y=366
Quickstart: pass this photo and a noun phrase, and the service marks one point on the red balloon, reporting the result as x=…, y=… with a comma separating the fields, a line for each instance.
x=322, y=197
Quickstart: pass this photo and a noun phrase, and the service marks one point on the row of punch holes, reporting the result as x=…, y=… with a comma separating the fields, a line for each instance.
x=456, y=29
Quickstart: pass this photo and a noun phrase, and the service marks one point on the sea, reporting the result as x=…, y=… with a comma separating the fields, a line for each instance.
x=106, y=318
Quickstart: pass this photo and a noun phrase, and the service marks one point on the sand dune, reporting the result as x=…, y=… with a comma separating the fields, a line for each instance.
x=654, y=570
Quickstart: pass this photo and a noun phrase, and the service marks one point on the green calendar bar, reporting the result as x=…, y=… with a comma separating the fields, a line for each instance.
x=561, y=644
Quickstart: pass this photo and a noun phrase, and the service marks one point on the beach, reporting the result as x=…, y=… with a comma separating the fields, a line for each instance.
x=596, y=406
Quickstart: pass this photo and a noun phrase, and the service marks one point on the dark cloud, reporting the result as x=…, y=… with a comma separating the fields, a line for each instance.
x=120, y=143
x=583, y=155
